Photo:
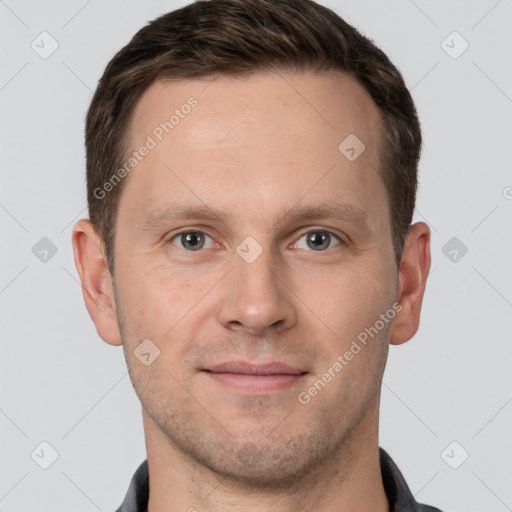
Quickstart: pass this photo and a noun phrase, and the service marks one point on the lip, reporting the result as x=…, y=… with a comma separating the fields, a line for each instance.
x=244, y=368
x=255, y=378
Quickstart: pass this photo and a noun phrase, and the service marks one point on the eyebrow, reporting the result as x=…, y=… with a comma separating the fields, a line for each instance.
x=339, y=211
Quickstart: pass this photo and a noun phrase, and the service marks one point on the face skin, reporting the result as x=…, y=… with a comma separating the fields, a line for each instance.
x=260, y=155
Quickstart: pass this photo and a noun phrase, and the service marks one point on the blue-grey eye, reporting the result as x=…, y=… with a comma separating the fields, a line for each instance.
x=317, y=240
x=192, y=240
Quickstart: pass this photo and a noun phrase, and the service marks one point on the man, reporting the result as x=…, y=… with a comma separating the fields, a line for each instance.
x=251, y=174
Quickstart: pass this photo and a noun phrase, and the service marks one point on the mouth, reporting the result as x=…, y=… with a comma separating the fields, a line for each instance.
x=255, y=378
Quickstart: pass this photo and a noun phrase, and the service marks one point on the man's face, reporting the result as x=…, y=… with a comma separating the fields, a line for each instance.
x=288, y=259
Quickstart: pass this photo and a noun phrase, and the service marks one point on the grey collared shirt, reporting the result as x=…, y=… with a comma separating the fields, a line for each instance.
x=397, y=491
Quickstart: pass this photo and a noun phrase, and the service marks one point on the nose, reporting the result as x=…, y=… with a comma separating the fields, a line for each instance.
x=255, y=297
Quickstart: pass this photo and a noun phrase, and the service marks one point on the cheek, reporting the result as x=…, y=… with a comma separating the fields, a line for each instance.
x=154, y=301
x=155, y=307
x=351, y=298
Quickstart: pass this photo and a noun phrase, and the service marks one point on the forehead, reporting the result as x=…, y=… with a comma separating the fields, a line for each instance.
x=274, y=137
x=329, y=101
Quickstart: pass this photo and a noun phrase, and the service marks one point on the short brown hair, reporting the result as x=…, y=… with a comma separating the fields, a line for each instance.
x=236, y=38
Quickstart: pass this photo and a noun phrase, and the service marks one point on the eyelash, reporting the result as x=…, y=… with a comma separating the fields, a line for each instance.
x=188, y=231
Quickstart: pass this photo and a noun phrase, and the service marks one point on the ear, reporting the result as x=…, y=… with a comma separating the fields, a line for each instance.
x=97, y=287
x=412, y=279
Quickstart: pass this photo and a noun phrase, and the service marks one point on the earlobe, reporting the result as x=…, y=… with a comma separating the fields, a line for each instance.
x=412, y=280
x=96, y=280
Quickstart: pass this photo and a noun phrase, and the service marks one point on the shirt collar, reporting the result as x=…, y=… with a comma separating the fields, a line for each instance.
x=397, y=491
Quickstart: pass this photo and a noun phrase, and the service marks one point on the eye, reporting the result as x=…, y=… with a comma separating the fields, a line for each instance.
x=318, y=240
x=192, y=240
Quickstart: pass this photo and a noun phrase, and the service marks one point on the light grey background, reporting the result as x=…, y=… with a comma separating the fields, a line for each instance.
x=60, y=383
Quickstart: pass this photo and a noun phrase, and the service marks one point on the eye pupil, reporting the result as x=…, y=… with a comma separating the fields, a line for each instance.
x=193, y=240
x=318, y=240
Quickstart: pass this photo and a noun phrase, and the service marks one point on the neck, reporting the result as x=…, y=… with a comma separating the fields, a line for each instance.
x=349, y=480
